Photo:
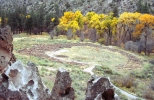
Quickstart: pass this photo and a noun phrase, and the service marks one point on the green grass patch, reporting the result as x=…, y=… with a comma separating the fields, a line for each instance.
x=105, y=60
x=95, y=56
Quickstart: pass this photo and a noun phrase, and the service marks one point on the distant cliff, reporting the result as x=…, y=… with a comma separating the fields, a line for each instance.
x=99, y=6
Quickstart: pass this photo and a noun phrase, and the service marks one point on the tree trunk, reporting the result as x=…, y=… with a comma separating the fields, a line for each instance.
x=109, y=37
x=145, y=49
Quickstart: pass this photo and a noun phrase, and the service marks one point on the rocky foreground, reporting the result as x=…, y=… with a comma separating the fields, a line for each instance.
x=23, y=82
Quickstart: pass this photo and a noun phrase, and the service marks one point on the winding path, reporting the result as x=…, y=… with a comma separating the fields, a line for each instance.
x=56, y=49
x=89, y=70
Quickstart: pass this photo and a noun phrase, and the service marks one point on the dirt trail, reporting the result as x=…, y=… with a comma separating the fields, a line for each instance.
x=89, y=70
x=40, y=50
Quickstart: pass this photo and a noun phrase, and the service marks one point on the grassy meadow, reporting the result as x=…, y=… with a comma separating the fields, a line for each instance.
x=132, y=76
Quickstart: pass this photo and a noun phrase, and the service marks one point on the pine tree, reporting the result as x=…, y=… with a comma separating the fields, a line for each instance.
x=143, y=7
x=139, y=6
x=115, y=12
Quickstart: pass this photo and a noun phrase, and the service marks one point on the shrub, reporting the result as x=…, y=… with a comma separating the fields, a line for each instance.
x=125, y=81
x=148, y=94
x=152, y=85
x=101, y=40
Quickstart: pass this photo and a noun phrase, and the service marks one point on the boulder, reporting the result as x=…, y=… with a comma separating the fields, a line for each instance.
x=129, y=45
x=100, y=89
x=62, y=89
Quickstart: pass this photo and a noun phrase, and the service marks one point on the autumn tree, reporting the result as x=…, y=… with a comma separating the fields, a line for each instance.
x=144, y=29
x=109, y=25
x=126, y=26
x=71, y=21
x=93, y=21
x=104, y=24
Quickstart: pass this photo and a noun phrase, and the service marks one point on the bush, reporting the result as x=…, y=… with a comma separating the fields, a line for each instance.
x=148, y=94
x=152, y=85
x=101, y=40
x=125, y=81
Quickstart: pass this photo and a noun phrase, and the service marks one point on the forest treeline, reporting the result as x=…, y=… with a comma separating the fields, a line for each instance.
x=132, y=30
x=35, y=21
x=20, y=20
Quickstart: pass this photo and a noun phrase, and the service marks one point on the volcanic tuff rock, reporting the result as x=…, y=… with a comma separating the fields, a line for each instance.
x=6, y=48
x=62, y=89
x=100, y=89
x=7, y=94
x=27, y=80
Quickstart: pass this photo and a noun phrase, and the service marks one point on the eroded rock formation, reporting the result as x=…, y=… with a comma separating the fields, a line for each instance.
x=18, y=82
x=27, y=80
x=22, y=83
x=100, y=89
x=62, y=89
x=6, y=48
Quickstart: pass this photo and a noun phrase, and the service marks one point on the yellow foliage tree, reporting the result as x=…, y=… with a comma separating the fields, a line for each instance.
x=145, y=22
x=126, y=24
x=71, y=20
x=145, y=29
x=103, y=24
x=109, y=26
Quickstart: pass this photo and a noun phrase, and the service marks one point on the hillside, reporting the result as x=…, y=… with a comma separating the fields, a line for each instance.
x=99, y=6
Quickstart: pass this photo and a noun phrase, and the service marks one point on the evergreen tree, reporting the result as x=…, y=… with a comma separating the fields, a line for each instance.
x=143, y=7
x=115, y=12
x=41, y=19
x=139, y=6
x=29, y=24
x=146, y=8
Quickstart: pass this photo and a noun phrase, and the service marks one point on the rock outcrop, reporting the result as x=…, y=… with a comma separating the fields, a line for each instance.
x=62, y=89
x=18, y=82
x=27, y=80
x=6, y=48
x=100, y=89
